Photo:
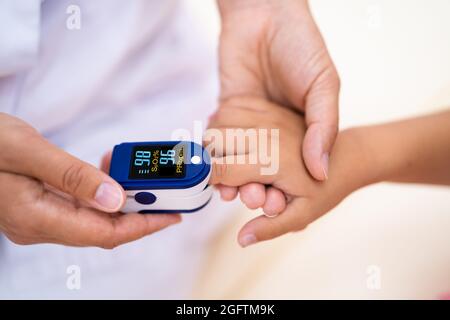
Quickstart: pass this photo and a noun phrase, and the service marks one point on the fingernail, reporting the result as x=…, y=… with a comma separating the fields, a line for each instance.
x=247, y=240
x=325, y=160
x=108, y=196
x=272, y=215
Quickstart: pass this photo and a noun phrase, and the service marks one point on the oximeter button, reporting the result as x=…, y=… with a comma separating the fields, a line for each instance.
x=145, y=197
x=196, y=160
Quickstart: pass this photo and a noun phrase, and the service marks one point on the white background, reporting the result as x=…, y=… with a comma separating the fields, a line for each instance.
x=394, y=61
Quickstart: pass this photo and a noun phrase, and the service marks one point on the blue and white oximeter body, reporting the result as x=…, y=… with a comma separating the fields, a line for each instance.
x=162, y=177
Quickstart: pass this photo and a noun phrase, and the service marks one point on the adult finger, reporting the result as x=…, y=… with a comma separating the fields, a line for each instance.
x=321, y=115
x=38, y=158
x=82, y=226
x=33, y=214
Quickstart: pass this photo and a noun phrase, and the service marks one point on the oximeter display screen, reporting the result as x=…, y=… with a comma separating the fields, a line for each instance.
x=157, y=162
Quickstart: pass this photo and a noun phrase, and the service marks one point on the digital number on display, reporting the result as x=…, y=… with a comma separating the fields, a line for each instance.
x=153, y=162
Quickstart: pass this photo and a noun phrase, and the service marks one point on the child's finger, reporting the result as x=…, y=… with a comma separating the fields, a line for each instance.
x=296, y=217
x=228, y=171
x=275, y=202
x=227, y=193
x=222, y=141
x=253, y=195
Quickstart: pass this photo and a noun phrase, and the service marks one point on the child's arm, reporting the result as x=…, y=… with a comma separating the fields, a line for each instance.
x=415, y=150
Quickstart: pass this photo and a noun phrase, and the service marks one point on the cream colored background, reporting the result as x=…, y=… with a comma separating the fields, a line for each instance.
x=394, y=60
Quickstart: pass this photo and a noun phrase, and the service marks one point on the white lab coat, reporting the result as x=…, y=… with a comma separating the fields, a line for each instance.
x=135, y=71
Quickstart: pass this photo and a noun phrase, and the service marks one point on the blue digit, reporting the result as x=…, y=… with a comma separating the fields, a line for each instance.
x=167, y=157
x=142, y=157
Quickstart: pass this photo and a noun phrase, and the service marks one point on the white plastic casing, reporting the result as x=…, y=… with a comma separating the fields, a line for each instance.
x=189, y=199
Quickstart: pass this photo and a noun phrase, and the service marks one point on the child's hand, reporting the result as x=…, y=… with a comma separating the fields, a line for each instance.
x=307, y=199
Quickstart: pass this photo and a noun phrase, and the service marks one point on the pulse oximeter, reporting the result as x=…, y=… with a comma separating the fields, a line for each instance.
x=162, y=177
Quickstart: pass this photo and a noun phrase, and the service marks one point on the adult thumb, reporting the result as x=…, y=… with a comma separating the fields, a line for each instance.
x=48, y=163
x=322, y=118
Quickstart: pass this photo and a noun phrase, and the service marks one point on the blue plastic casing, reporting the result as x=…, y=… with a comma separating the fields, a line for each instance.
x=195, y=173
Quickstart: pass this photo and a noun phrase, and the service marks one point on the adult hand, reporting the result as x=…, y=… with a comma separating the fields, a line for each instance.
x=273, y=49
x=49, y=196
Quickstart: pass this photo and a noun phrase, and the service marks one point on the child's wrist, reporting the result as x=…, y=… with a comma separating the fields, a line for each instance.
x=354, y=161
x=227, y=7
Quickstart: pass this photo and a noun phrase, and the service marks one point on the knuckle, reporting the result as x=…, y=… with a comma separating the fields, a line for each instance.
x=336, y=80
x=22, y=241
x=108, y=240
x=231, y=102
x=24, y=134
x=73, y=177
x=214, y=122
x=329, y=80
x=333, y=129
x=333, y=78
x=108, y=245
x=10, y=143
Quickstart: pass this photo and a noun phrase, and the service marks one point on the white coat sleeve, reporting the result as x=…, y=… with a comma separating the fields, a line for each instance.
x=19, y=34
